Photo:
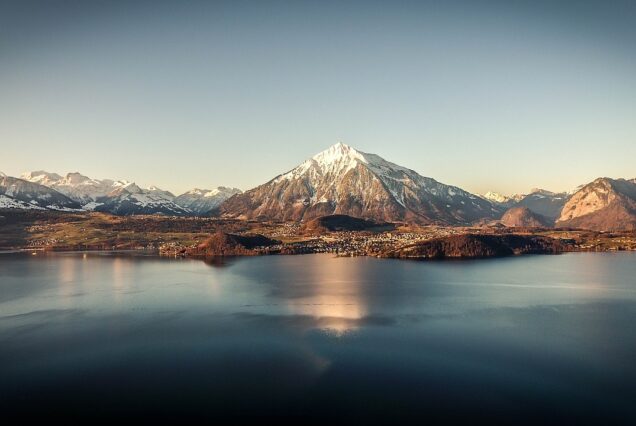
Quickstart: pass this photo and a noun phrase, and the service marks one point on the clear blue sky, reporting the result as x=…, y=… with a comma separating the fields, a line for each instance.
x=486, y=95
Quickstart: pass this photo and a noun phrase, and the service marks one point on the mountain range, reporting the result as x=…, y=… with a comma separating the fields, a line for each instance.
x=74, y=191
x=340, y=180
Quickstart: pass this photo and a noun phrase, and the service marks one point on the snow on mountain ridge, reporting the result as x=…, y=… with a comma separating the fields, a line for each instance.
x=40, y=176
x=496, y=197
x=202, y=201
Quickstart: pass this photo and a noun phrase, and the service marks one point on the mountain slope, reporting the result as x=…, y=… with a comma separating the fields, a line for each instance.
x=7, y=202
x=540, y=201
x=342, y=180
x=106, y=195
x=545, y=203
x=74, y=185
x=130, y=199
x=202, y=201
x=524, y=217
x=34, y=194
x=496, y=198
x=604, y=205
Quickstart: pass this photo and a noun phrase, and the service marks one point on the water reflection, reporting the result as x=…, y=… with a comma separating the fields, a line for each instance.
x=320, y=337
x=219, y=261
x=329, y=292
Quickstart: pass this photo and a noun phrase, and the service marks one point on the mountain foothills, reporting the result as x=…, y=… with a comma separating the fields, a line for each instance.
x=338, y=181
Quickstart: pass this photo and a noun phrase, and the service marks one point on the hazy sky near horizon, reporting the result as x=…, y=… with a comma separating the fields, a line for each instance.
x=485, y=95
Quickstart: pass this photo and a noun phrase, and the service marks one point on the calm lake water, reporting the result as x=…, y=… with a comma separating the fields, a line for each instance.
x=96, y=335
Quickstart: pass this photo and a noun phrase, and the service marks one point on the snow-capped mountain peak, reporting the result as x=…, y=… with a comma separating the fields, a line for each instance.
x=343, y=180
x=338, y=154
x=202, y=201
x=76, y=178
x=42, y=177
x=496, y=197
x=155, y=190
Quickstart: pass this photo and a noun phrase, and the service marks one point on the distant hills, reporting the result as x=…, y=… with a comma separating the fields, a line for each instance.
x=338, y=181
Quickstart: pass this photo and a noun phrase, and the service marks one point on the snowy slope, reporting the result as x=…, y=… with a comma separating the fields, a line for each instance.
x=107, y=195
x=202, y=201
x=34, y=194
x=7, y=202
x=74, y=185
x=129, y=199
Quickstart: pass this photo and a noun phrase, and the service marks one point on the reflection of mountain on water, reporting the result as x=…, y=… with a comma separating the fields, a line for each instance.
x=339, y=295
x=328, y=291
x=219, y=261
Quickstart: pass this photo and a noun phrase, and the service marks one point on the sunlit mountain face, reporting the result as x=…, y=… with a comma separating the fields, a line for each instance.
x=344, y=180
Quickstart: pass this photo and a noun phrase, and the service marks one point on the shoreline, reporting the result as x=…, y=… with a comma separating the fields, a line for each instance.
x=204, y=237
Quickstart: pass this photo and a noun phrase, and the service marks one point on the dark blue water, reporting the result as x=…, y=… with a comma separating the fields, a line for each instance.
x=318, y=339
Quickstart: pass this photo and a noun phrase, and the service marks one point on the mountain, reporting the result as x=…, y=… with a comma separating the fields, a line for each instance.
x=342, y=180
x=42, y=177
x=545, y=203
x=106, y=195
x=202, y=201
x=524, y=217
x=129, y=199
x=540, y=201
x=603, y=205
x=19, y=193
x=166, y=195
x=497, y=198
x=74, y=185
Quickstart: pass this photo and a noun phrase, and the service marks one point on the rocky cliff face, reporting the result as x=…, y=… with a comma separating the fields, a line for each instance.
x=342, y=180
x=604, y=205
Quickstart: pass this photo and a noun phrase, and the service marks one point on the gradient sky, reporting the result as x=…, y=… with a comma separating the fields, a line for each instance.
x=486, y=95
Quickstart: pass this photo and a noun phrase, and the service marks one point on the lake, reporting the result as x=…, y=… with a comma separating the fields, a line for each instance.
x=98, y=336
